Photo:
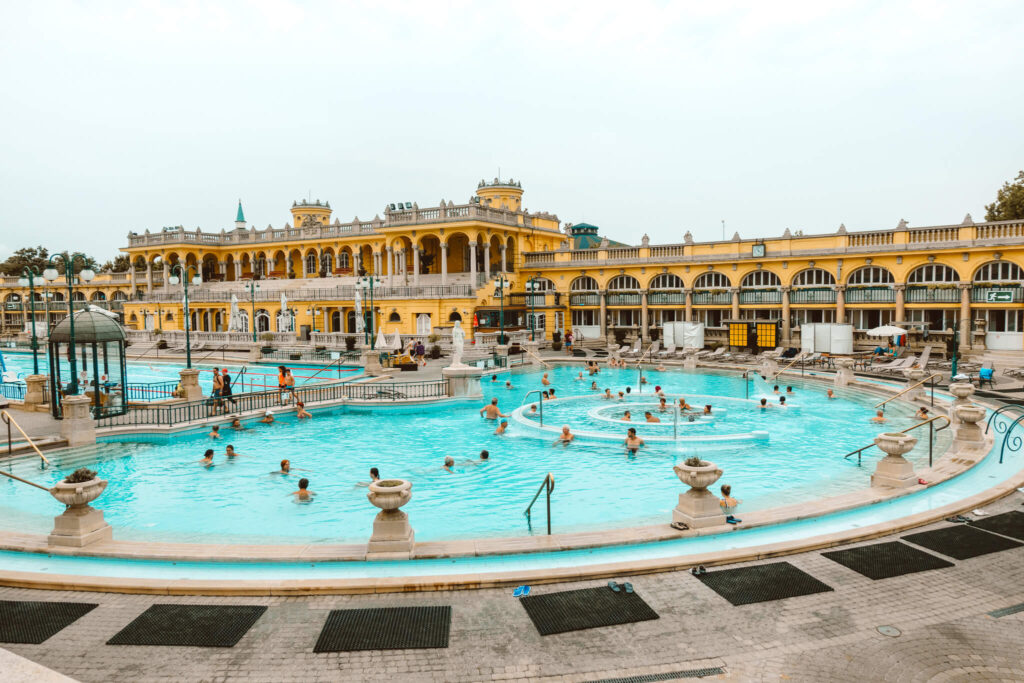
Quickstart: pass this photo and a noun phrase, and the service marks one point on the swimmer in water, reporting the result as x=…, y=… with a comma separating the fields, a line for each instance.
x=301, y=412
x=662, y=405
x=268, y=417
x=501, y=428
x=683, y=405
x=922, y=414
x=782, y=400
x=207, y=460
x=622, y=397
x=449, y=463
x=579, y=377
x=533, y=409
x=545, y=381
x=633, y=443
x=229, y=451
x=374, y=477
x=789, y=391
x=650, y=418
x=764, y=404
x=494, y=378
x=831, y=394
x=879, y=417
x=594, y=387
x=660, y=368
x=214, y=432
x=303, y=494
x=627, y=416
x=707, y=409
x=608, y=394
x=236, y=424
x=775, y=390
x=551, y=393
x=565, y=438
x=508, y=384
x=491, y=410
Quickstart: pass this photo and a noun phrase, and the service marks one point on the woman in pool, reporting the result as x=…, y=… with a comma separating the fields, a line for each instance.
x=594, y=387
x=207, y=460
x=301, y=412
x=683, y=405
x=449, y=464
x=662, y=405
x=729, y=504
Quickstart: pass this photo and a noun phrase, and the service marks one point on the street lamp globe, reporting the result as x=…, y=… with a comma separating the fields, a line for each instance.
x=50, y=273
x=87, y=274
x=23, y=282
x=197, y=280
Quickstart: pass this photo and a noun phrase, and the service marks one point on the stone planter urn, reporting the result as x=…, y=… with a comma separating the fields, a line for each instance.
x=80, y=524
x=698, y=507
x=844, y=372
x=968, y=432
x=894, y=471
x=392, y=536
x=963, y=392
x=914, y=375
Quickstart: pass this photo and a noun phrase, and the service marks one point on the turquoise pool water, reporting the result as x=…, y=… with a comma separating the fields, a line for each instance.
x=158, y=490
x=257, y=377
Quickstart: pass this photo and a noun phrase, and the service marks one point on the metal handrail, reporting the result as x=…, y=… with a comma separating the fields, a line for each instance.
x=799, y=357
x=549, y=484
x=24, y=481
x=541, y=360
x=540, y=393
x=9, y=420
x=931, y=433
x=926, y=379
x=997, y=412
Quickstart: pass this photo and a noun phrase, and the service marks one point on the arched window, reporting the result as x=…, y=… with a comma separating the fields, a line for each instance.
x=584, y=283
x=667, y=281
x=243, y=320
x=712, y=280
x=999, y=271
x=262, y=320
x=77, y=296
x=12, y=298
x=760, y=279
x=343, y=260
x=455, y=316
x=119, y=296
x=311, y=263
x=98, y=296
x=814, y=277
x=870, y=275
x=394, y=317
x=57, y=296
x=624, y=282
x=933, y=272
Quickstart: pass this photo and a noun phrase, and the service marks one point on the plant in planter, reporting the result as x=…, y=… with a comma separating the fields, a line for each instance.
x=433, y=338
x=350, y=343
x=556, y=346
x=556, y=337
x=435, y=351
x=80, y=524
x=698, y=507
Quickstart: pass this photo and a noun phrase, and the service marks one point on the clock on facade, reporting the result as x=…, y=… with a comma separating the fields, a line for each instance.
x=757, y=251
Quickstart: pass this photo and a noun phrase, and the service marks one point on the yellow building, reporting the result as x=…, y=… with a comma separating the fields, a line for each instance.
x=431, y=266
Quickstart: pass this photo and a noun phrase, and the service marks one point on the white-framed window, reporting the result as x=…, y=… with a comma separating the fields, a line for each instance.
x=585, y=316
x=423, y=325
x=760, y=279
x=711, y=317
x=344, y=260
x=1002, y=320
x=812, y=315
x=584, y=283
x=712, y=280
x=870, y=275
x=814, y=277
x=311, y=263
x=623, y=283
x=868, y=318
x=262, y=320
x=243, y=320
x=539, y=284
x=1000, y=271
x=667, y=281
x=939, y=319
x=933, y=273
x=536, y=321
x=625, y=317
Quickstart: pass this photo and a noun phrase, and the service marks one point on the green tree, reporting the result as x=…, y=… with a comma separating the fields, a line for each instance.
x=28, y=256
x=80, y=264
x=120, y=264
x=1009, y=203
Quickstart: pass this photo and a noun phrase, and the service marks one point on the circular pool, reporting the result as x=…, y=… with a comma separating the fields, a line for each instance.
x=160, y=492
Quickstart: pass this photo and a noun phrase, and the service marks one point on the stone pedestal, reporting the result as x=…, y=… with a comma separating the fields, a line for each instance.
x=894, y=471
x=393, y=537
x=769, y=367
x=80, y=525
x=371, y=363
x=463, y=382
x=967, y=432
x=501, y=350
x=77, y=426
x=254, y=353
x=34, y=396
x=914, y=376
x=844, y=372
x=190, y=385
x=963, y=392
x=690, y=362
x=533, y=348
x=698, y=507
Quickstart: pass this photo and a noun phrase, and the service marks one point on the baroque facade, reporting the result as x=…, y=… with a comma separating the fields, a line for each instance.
x=962, y=283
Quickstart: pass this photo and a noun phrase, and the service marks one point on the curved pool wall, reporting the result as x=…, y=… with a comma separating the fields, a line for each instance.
x=988, y=479
x=159, y=492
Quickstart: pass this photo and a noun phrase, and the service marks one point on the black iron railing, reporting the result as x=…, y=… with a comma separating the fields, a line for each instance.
x=150, y=391
x=13, y=390
x=549, y=486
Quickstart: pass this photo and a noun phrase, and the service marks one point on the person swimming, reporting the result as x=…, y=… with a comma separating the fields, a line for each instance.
x=501, y=428
x=594, y=387
x=492, y=411
x=789, y=391
x=879, y=417
x=303, y=494
x=449, y=463
x=831, y=394
x=662, y=405
x=214, y=432
x=374, y=477
x=268, y=417
x=286, y=467
x=683, y=405
x=301, y=412
x=764, y=404
x=782, y=400
x=622, y=397
x=650, y=417
x=545, y=381
x=707, y=409
x=627, y=416
x=229, y=451
x=508, y=384
x=565, y=438
x=533, y=409
x=607, y=394
x=775, y=389
x=207, y=460
x=236, y=424
x=633, y=443
x=494, y=378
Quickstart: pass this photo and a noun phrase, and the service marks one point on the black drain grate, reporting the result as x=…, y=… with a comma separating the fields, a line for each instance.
x=885, y=560
x=385, y=628
x=34, y=622
x=762, y=583
x=961, y=542
x=668, y=676
x=1008, y=524
x=585, y=608
x=190, y=625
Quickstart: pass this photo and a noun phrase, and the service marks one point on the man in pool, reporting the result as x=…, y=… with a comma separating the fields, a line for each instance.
x=782, y=401
x=565, y=438
x=764, y=404
x=508, y=384
x=551, y=393
x=268, y=417
x=491, y=412
x=650, y=417
x=879, y=417
x=660, y=368
x=229, y=451
x=501, y=428
x=627, y=416
x=494, y=378
x=831, y=394
x=303, y=494
x=608, y=394
x=633, y=443
x=775, y=389
x=545, y=381
x=236, y=424
x=789, y=391
x=207, y=460
x=301, y=412
x=214, y=432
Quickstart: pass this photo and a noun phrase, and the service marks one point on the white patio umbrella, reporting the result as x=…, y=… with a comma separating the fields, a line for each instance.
x=358, y=305
x=885, y=331
x=382, y=341
x=396, y=341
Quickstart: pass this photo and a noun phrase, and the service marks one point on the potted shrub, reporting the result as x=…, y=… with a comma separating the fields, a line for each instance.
x=267, y=337
x=350, y=343
x=697, y=474
x=79, y=488
x=556, y=345
x=435, y=351
x=556, y=338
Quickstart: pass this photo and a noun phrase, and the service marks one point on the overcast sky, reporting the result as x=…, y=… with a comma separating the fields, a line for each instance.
x=639, y=116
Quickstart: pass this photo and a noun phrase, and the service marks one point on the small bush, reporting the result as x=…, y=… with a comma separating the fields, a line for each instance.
x=435, y=351
x=556, y=346
x=80, y=476
x=350, y=343
x=694, y=461
x=556, y=337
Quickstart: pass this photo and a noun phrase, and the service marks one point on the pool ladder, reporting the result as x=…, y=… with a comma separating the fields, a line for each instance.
x=540, y=394
x=931, y=437
x=549, y=484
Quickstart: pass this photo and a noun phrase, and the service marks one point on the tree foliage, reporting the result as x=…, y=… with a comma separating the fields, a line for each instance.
x=37, y=258
x=1009, y=203
x=120, y=264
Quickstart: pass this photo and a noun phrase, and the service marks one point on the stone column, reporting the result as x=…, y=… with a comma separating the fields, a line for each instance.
x=844, y=372
x=416, y=265
x=190, y=384
x=222, y=269
x=894, y=471
x=393, y=537
x=78, y=425
x=735, y=303
x=840, y=303
x=901, y=301
x=238, y=270
x=965, y=317
x=472, y=263
x=689, y=304
x=34, y=395
x=149, y=279
x=391, y=266
x=131, y=277
x=504, y=258
x=786, y=328
x=371, y=362
x=167, y=276
x=487, y=260
x=645, y=335
x=444, y=264
x=603, y=297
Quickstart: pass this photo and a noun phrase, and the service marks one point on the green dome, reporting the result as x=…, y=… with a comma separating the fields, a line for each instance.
x=90, y=327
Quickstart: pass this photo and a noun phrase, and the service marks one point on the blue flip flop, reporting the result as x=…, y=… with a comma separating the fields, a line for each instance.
x=628, y=587
x=614, y=586
x=521, y=591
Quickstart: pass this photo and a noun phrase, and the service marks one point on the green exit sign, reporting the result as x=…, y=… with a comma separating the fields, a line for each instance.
x=998, y=297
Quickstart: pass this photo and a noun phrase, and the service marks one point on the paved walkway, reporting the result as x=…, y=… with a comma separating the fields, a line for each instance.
x=946, y=633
